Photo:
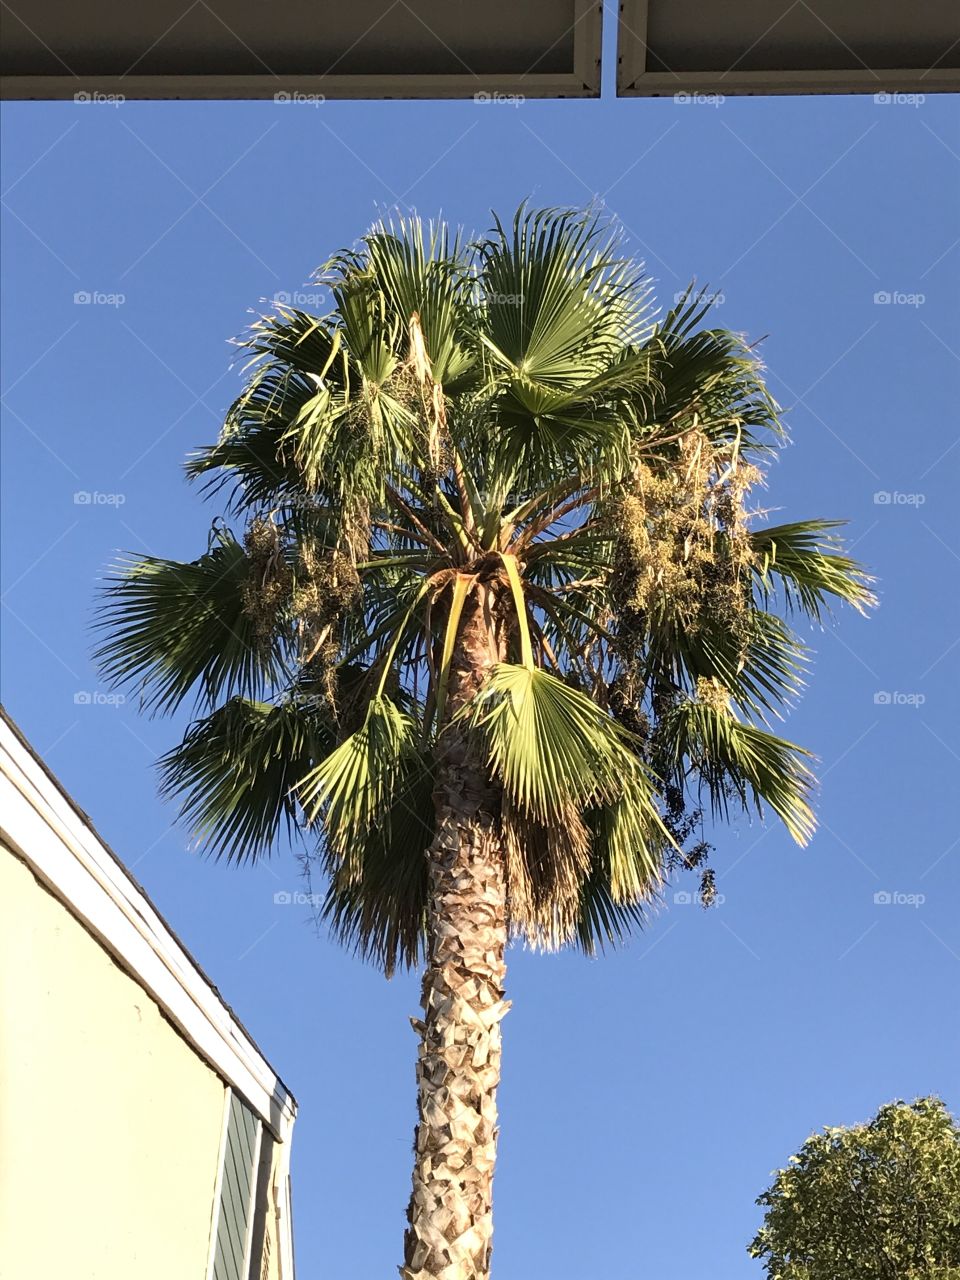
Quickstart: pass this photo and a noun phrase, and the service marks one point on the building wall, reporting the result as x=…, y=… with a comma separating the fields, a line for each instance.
x=110, y=1124
x=273, y=1207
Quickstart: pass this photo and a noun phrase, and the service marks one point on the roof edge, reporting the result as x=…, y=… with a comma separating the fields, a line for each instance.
x=59, y=843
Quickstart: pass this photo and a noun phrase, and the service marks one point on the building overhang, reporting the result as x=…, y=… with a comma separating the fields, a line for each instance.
x=686, y=48
x=248, y=49
x=375, y=49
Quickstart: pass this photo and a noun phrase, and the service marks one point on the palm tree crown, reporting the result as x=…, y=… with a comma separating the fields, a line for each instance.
x=500, y=426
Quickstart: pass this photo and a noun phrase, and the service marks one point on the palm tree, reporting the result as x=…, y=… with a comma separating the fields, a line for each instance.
x=488, y=622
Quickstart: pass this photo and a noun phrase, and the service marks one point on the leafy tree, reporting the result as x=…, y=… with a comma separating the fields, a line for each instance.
x=877, y=1201
x=488, y=623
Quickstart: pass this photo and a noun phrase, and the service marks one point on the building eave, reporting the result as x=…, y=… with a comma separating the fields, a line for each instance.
x=43, y=826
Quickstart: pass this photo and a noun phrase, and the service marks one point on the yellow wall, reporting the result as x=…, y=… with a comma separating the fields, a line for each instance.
x=109, y=1122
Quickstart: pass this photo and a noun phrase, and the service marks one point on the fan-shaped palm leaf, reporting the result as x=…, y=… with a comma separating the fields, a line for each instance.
x=173, y=626
x=237, y=771
x=734, y=760
x=805, y=560
x=351, y=791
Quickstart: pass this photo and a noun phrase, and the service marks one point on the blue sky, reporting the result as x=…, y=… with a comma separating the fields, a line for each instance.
x=647, y=1095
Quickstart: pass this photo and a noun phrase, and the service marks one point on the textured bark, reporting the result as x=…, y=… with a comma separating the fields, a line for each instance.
x=458, y=1070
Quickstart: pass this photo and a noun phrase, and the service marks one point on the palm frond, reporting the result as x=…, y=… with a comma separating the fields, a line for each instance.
x=376, y=902
x=253, y=465
x=629, y=839
x=736, y=761
x=422, y=271
x=560, y=303
x=603, y=922
x=763, y=677
x=236, y=773
x=805, y=560
x=352, y=790
x=295, y=357
x=546, y=864
x=713, y=380
x=547, y=743
x=575, y=796
x=173, y=626
x=762, y=668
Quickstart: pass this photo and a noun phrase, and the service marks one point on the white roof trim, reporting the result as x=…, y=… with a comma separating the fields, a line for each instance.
x=687, y=84
x=66, y=854
x=293, y=88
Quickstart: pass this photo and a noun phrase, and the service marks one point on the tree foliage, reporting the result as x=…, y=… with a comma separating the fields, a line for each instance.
x=877, y=1201
x=505, y=419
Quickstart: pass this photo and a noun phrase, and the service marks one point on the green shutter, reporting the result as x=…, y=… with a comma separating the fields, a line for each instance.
x=236, y=1192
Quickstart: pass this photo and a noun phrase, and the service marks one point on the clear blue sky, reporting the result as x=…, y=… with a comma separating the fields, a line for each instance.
x=647, y=1095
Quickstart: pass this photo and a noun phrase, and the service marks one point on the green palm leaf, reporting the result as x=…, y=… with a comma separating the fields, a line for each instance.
x=421, y=270
x=548, y=743
x=716, y=376
x=352, y=790
x=237, y=771
x=805, y=560
x=173, y=626
x=735, y=760
x=376, y=902
x=560, y=304
x=602, y=922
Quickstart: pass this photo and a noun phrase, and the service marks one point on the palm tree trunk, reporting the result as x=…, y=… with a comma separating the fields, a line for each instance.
x=450, y=1214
